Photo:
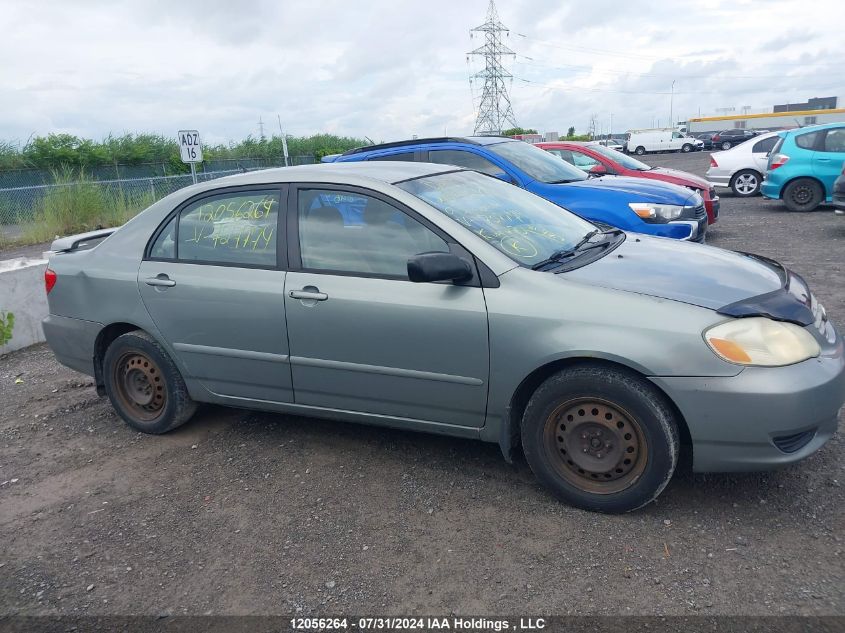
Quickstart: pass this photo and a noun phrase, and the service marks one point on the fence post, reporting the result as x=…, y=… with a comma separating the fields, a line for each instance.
x=153, y=189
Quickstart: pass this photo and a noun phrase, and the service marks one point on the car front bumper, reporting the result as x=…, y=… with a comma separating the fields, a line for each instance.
x=762, y=418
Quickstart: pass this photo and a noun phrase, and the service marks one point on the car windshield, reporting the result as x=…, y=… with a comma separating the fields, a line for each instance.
x=623, y=159
x=537, y=163
x=525, y=227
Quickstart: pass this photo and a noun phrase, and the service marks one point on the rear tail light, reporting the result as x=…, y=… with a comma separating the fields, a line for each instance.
x=49, y=279
x=778, y=160
x=713, y=162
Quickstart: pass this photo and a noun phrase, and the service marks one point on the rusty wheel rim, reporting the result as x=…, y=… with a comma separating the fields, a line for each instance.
x=140, y=386
x=595, y=445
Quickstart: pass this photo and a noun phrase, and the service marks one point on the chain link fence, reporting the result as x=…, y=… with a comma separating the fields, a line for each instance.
x=22, y=190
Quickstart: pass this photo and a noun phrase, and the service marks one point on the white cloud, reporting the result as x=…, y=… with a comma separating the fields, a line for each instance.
x=388, y=70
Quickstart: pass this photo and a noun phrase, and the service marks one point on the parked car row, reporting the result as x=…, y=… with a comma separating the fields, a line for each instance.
x=800, y=166
x=644, y=205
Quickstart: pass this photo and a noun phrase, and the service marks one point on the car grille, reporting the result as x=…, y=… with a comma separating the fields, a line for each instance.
x=700, y=212
x=794, y=442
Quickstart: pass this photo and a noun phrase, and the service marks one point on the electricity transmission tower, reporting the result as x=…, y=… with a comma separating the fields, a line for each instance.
x=494, y=110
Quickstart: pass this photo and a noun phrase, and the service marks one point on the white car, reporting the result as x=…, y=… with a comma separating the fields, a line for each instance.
x=743, y=166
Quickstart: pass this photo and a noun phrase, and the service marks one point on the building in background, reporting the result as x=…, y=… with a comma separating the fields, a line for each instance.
x=766, y=121
x=816, y=103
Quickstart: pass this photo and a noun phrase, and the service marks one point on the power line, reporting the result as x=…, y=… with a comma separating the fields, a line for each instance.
x=494, y=110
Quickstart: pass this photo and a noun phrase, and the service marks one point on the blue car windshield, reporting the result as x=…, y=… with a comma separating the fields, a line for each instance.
x=525, y=227
x=537, y=163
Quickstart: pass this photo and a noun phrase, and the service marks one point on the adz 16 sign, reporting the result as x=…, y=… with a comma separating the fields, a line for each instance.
x=190, y=146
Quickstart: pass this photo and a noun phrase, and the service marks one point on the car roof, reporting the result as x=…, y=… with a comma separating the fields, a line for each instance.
x=471, y=140
x=389, y=172
x=810, y=128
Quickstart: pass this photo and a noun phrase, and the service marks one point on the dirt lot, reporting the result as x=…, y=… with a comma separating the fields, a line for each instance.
x=252, y=513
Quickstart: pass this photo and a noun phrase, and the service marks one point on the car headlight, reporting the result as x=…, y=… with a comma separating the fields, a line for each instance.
x=651, y=212
x=761, y=341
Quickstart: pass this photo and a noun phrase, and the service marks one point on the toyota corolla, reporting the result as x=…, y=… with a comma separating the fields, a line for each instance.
x=433, y=298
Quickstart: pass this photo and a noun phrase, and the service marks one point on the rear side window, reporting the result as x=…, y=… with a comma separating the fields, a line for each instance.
x=834, y=141
x=237, y=228
x=404, y=156
x=807, y=141
x=765, y=146
x=464, y=159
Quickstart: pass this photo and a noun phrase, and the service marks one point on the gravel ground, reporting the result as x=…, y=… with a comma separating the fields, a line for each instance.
x=253, y=513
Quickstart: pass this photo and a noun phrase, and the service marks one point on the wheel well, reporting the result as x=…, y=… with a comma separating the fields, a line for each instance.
x=813, y=178
x=105, y=338
x=520, y=398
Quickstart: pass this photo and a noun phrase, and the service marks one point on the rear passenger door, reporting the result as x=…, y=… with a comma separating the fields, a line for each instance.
x=363, y=338
x=212, y=280
x=829, y=157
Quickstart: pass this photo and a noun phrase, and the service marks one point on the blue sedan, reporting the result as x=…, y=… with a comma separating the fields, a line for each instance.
x=632, y=204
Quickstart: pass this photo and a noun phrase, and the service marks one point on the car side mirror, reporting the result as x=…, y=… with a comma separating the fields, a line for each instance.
x=598, y=170
x=427, y=267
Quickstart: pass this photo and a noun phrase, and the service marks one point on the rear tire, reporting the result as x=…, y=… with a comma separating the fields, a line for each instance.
x=746, y=183
x=640, y=150
x=600, y=438
x=144, y=384
x=726, y=145
x=686, y=148
x=803, y=194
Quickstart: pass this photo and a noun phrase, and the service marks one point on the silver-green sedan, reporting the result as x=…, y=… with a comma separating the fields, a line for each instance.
x=436, y=299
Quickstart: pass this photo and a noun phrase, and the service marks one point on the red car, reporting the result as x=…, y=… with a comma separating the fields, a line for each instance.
x=599, y=160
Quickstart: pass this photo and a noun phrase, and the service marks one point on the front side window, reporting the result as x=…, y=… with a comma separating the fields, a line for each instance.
x=834, y=140
x=582, y=161
x=525, y=227
x=349, y=232
x=623, y=159
x=237, y=228
x=537, y=163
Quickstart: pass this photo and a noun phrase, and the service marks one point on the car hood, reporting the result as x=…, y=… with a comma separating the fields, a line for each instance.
x=642, y=188
x=691, y=273
x=685, y=178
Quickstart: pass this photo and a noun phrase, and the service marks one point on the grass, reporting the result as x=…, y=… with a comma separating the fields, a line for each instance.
x=79, y=204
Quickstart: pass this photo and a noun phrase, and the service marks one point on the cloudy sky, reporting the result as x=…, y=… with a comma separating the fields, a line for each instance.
x=388, y=69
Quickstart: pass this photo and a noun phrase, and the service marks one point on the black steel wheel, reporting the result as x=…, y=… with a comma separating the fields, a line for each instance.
x=600, y=438
x=803, y=194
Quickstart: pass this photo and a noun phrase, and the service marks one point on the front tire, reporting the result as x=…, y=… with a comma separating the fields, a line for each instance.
x=686, y=148
x=640, y=150
x=600, y=438
x=144, y=384
x=746, y=183
x=803, y=194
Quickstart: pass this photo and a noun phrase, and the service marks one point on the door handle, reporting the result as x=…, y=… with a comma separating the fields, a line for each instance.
x=308, y=295
x=823, y=160
x=160, y=280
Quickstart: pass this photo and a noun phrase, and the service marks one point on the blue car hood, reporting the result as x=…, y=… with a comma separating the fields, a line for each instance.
x=691, y=273
x=642, y=189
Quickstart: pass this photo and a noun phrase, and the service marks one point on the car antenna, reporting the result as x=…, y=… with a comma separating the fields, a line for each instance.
x=797, y=122
x=371, y=141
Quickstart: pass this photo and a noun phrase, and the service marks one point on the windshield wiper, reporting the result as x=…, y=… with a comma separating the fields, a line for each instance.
x=564, y=181
x=569, y=252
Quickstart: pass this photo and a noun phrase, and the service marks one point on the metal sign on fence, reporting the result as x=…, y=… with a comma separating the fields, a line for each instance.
x=190, y=149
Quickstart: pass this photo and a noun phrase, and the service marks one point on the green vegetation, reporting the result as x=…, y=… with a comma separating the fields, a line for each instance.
x=518, y=130
x=62, y=151
x=7, y=324
x=80, y=204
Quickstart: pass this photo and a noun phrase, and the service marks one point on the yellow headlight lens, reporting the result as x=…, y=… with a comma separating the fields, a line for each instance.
x=761, y=341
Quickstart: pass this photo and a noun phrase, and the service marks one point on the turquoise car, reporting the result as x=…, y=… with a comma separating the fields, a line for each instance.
x=803, y=166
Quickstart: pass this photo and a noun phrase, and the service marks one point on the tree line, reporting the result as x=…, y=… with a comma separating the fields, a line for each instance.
x=61, y=151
